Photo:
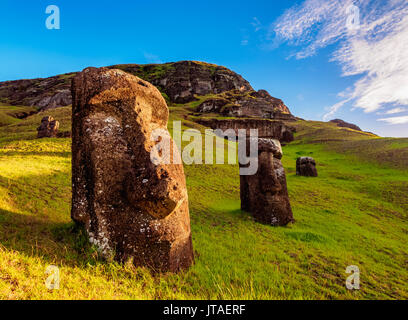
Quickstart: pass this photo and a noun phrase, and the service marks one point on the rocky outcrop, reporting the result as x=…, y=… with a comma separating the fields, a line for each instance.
x=344, y=124
x=306, y=166
x=266, y=128
x=48, y=128
x=265, y=193
x=132, y=208
x=183, y=81
x=252, y=104
x=44, y=93
x=58, y=99
x=179, y=82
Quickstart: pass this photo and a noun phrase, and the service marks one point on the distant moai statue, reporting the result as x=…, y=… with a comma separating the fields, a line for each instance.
x=132, y=208
x=48, y=128
x=306, y=166
x=265, y=193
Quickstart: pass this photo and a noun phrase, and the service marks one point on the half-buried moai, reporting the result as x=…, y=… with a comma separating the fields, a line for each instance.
x=131, y=208
x=265, y=193
x=48, y=128
x=306, y=166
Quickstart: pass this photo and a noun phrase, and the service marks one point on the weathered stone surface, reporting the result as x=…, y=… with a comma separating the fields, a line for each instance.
x=213, y=105
x=265, y=193
x=306, y=166
x=248, y=104
x=131, y=207
x=59, y=99
x=48, y=128
x=266, y=128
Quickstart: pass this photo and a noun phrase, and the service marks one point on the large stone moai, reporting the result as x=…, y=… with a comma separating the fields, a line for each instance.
x=48, y=128
x=265, y=193
x=131, y=208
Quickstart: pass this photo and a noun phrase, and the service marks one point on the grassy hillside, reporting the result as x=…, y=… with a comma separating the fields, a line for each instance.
x=9, y=114
x=354, y=213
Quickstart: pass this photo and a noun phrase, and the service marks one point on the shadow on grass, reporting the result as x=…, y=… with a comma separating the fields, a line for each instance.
x=36, y=225
x=59, y=243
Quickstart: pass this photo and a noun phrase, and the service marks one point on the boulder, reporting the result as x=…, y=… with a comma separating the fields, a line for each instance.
x=132, y=208
x=48, y=128
x=265, y=193
x=306, y=166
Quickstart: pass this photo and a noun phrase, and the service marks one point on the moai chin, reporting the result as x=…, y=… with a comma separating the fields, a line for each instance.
x=265, y=193
x=131, y=208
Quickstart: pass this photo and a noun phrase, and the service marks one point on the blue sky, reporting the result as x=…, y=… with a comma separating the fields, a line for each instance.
x=300, y=51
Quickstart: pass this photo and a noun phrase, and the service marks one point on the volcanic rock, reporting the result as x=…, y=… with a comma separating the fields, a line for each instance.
x=44, y=93
x=179, y=82
x=184, y=80
x=248, y=104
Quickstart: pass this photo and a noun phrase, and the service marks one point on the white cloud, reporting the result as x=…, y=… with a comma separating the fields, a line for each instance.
x=377, y=50
x=395, y=120
x=244, y=42
x=395, y=111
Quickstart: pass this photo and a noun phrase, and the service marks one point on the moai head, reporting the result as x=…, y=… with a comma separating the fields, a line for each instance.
x=306, y=166
x=48, y=128
x=54, y=125
x=265, y=193
x=130, y=206
x=269, y=149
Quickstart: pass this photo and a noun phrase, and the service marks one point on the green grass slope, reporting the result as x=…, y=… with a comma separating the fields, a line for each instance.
x=354, y=213
x=8, y=114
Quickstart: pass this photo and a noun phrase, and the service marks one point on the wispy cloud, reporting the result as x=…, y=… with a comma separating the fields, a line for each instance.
x=377, y=50
x=152, y=58
x=333, y=109
x=395, y=120
x=394, y=111
x=256, y=24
